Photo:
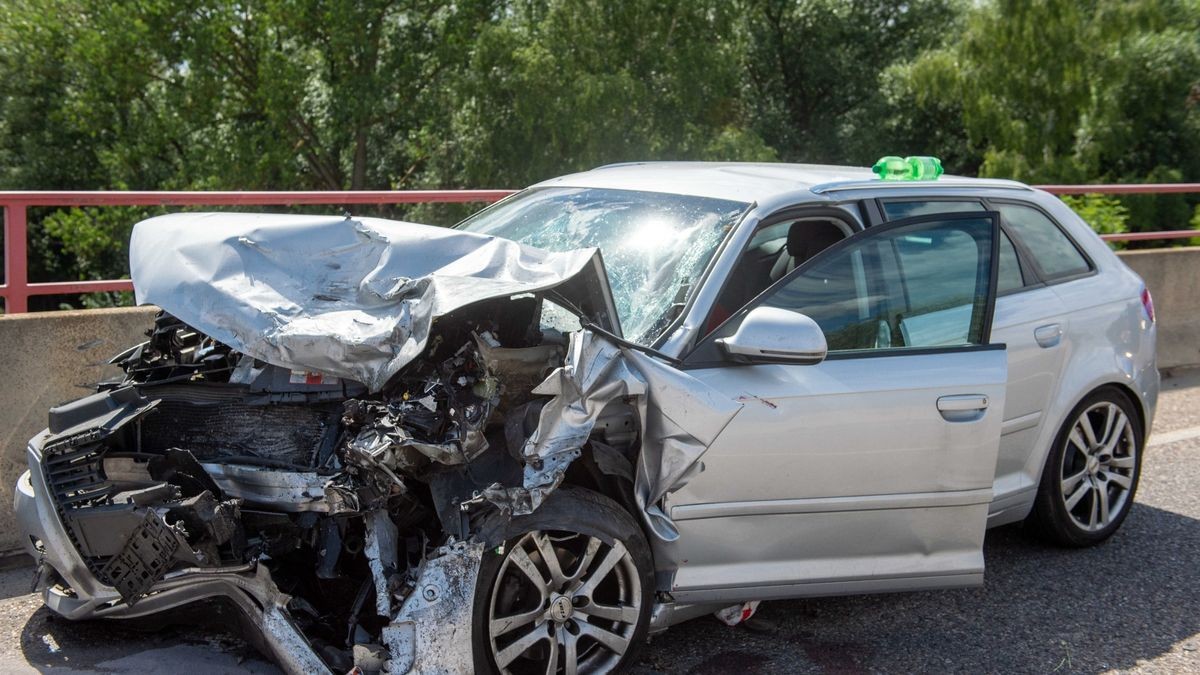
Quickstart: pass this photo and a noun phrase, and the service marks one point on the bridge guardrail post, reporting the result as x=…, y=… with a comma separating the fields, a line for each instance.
x=16, y=259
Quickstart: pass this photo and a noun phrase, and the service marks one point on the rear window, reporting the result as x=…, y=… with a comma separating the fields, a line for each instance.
x=1053, y=252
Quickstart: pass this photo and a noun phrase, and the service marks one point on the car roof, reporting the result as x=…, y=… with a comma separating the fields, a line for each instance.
x=747, y=182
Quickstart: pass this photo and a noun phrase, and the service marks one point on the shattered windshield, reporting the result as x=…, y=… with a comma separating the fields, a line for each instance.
x=655, y=246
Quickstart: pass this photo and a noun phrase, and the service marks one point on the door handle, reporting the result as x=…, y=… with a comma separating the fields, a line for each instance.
x=961, y=402
x=1048, y=336
x=962, y=407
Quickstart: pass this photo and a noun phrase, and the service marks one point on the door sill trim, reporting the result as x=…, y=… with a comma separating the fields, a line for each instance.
x=919, y=500
x=966, y=579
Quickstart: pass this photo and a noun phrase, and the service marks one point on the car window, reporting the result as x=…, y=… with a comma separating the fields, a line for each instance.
x=908, y=209
x=776, y=233
x=655, y=245
x=1009, y=276
x=1053, y=252
x=922, y=285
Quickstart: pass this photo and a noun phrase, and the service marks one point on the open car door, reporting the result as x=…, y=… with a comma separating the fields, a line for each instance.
x=871, y=470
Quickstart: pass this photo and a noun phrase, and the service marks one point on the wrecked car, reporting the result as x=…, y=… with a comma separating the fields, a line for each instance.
x=610, y=403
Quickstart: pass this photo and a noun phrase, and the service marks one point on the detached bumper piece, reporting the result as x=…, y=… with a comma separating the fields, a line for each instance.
x=144, y=561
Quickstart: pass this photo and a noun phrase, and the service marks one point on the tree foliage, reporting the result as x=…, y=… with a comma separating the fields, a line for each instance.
x=1069, y=91
x=555, y=87
x=361, y=94
x=1106, y=214
x=813, y=72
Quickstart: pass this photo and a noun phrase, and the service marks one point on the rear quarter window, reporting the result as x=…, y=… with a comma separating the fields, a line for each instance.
x=1053, y=252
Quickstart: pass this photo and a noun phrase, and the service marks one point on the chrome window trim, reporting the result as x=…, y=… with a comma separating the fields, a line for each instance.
x=855, y=354
x=975, y=184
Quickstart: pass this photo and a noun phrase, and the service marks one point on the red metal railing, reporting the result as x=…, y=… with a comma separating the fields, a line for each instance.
x=1138, y=189
x=1135, y=189
x=17, y=290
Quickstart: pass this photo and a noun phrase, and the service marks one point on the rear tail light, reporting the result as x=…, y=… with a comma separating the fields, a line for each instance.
x=1148, y=303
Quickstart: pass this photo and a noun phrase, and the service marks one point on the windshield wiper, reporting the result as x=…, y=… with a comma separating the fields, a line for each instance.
x=588, y=325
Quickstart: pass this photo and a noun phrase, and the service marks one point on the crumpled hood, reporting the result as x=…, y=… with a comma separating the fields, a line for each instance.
x=348, y=297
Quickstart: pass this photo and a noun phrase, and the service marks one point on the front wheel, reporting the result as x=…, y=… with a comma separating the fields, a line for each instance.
x=1091, y=474
x=569, y=592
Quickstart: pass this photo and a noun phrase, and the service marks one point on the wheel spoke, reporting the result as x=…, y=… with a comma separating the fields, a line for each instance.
x=612, y=641
x=1118, y=430
x=610, y=561
x=585, y=561
x=552, y=661
x=1069, y=483
x=550, y=557
x=570, y=652
x=523, y=643
x=1093, y=513
x=1121, y=463
x=1076, y=439
x=521, y=559
x=623, y=614
x=507, y=624
x=1111, y=413
x=1122, y=480
x=1102, y=497
x=1085, y=423
x=1079, y=494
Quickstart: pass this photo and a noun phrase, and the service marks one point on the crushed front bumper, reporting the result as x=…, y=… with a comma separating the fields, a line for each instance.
x=415, y=637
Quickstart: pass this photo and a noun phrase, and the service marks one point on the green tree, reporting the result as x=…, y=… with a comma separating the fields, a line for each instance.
x=923, y=117
x=1106, y=215
x=813, y=72
x=218, y=94
x=325, y=94
x=1060, y=91
x=568, y=85
x=1061, y=88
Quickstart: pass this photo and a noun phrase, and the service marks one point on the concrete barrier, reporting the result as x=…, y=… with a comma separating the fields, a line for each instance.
x=1173, y=277
x=48, y=358
x=51, y=357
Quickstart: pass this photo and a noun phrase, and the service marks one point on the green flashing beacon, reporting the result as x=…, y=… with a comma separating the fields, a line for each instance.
x=908, y=168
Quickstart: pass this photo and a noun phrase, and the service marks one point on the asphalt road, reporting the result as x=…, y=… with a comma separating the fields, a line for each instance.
x=1130, y=605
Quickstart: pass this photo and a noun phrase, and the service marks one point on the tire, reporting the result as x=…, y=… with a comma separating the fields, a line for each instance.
x=1089, y=481
x=600, y=613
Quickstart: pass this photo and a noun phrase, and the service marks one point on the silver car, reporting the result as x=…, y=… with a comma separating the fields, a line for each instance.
x=612, y=402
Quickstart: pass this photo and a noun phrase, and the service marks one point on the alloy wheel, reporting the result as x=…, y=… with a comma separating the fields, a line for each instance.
x=563, y=603
x=1098, y=466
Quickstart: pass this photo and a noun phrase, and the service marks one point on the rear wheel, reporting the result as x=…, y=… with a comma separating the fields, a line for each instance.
x=1091, y=474
x=569, y=592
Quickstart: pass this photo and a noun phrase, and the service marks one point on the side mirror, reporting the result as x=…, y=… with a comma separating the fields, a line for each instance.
x=774, y=335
